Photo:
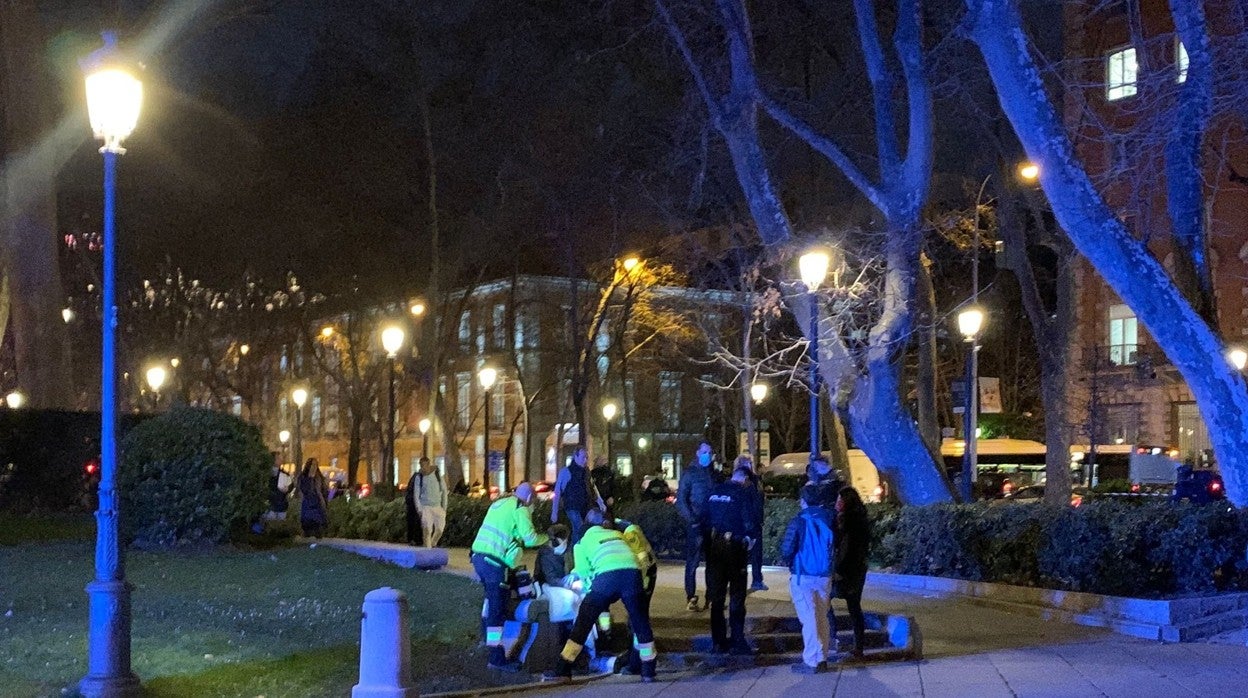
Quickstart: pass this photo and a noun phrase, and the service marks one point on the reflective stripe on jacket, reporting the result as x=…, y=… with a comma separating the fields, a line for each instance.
x=507, y=529
x=602, y=550
x=637, y=542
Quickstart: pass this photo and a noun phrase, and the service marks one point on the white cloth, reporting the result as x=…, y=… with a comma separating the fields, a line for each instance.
x=433, y=522
x=811, y=598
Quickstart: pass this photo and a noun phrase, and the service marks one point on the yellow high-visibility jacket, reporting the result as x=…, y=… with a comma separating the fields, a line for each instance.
x=507, y=529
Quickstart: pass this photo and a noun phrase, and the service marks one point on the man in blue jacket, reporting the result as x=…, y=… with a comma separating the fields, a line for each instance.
x=808, y=548
x=696, y=482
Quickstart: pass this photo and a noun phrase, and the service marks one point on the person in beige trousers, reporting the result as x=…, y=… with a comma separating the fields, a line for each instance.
x=809, y=550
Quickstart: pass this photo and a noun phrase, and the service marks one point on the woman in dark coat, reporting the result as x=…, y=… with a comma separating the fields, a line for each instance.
x=313, y=491
x=853, y=542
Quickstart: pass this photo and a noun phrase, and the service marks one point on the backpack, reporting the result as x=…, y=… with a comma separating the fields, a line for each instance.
x=420, y=489
x=814, y=557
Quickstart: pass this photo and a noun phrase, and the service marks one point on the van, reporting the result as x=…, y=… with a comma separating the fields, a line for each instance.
x=862, y=473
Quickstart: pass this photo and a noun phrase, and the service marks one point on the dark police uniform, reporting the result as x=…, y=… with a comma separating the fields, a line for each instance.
x=727, y=522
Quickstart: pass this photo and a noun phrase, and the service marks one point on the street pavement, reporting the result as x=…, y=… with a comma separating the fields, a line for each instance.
x=969, y=650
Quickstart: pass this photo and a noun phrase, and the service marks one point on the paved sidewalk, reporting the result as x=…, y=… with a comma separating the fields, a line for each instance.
x=970, y=650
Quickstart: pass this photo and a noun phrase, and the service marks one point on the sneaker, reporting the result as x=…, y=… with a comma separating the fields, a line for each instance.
x=759, y=586
x=692, y=605
x=804, y=668
x=509, y=667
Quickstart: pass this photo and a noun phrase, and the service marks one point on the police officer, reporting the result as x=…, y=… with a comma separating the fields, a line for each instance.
x=506, y=531
x=727, y=526
x=610, y=572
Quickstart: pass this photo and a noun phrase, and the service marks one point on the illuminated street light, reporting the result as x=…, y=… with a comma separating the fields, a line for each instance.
x=630, y=263
x=642, y=442
x=1238, y=358
x=609, y=411
x=392, y=340
x=418, y=308
x=299, y=396
x=424, y=424
x=486, y=376
x=758, y=391
x=283, y=436
x=15, y=399
x=969, y=322
x=1029, y=171
x=67, y=314
x=156, y=376
x=174, y=362
x=327, y=331
x=114, y=100
x=242, y=350
x=813, y=268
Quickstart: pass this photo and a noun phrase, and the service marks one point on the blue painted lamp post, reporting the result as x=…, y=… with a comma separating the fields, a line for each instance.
x=970, y=321
x=114, y=97
x=392, y=341
x=813, y=267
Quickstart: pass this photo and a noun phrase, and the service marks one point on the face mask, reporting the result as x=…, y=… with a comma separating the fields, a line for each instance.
x=704, y=459
x=561, y=548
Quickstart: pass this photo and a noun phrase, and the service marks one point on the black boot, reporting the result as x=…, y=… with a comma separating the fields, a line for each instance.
x=648, y=671
x=561, y=673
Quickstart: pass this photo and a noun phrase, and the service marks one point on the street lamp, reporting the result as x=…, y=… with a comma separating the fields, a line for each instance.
x=1029, y=171
x=391, y=340
x=417, y=308
x=67, y=314
x=970, y=321
x=608, y=413
x=15, y=400
x=299, y=396
x=114, y=99
x=424, y=425
x=1238, y=358
x=486, y=377
x=758, y=391
x=327, y=331
x=156, y=376
x=283, y=437
x=813, y=267
x=630, y=263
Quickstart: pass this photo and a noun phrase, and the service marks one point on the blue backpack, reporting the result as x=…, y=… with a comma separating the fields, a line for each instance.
x=814, y=555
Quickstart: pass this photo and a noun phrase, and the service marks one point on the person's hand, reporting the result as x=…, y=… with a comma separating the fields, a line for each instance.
x=749, y=543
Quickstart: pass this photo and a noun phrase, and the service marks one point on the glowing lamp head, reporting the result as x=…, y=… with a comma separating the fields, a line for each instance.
x=758, y=391
x=1029, y=171
x=15, y=399
x=609, y=411
x=970, y=322
x=155, y=377
x=630, y=263
x=424, y=425
x=327, y=331
x=299, y=396
x=283, y=436
x=417, y=308
x=67, y=314
x=642, y=442
x=392, y=340
x=174, y=362
x=244, y=349
x=487, y=376
x=1238, y=358
x=114, y=98
x=813, y=268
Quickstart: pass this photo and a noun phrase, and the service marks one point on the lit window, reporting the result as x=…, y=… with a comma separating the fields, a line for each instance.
x=1180, y=60
x=669, y=399
x=316, y=413
x=465, y=329
x=236, y=406
x=1120, y=74
x=498, y=409
x=500, y=326
x=1123, y=336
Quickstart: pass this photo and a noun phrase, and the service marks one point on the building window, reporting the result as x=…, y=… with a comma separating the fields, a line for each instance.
x=465, y=329
x=669, y=399
x=500, y=326
x=1123, y=336
x=463, y=399
x=1191, y=436
x=624, y=464
x=236, y=406
x=1180, y=61
x=316, y=413
x=498, y=409
x=667, y=462
x=1120, y=69
x=1121, y=425
x=630, y=403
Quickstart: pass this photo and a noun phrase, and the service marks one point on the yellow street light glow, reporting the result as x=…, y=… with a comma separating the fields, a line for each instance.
x=970, y=321
x=417, y=309
x=813, y=268
x=487, y=376
x=1238, y=358
x=299, y=396
x=630, y=263
x=244, y=349
x=424, y=425
x=114, y=98
x=392, y=340
x=155, y=377
x=1029, y=171
x=174, y=362
x=758, y=391
x=15, y=399
x=609, y=411
x=67, y=315
x=642, y=442
x=283, y=436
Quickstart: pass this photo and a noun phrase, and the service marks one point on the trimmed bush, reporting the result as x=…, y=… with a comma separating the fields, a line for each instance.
x=191, y=476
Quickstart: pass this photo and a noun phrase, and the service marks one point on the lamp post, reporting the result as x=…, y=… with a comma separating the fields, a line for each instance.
x=758, y=393
x=608, y=413
x=391, y=340
x=155, y=377
x=970, y=321
x=487, y=376
x=813, y=267
x=283, y=437
x=299, y=396
x=424, y=436
x=15, y=399
x=114, y=98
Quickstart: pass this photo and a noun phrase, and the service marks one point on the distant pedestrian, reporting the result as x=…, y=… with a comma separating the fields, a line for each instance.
x=575, y=494
x=758, y=499
x=821, y=474
x=428, y=493
x=604, y=481
x=280, y=485
x=696, y=482
x=727, y=525
x=853, y=544
x=313, y=507
x=808, y=548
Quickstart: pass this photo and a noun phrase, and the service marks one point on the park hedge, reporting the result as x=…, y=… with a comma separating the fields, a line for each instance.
x=1128, y=548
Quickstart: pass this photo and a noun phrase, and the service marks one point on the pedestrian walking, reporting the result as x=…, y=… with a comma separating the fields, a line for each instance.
x=853, y=544
x=313, y=505
x=696, y=483
x=429, y=494
x=411, y=513
x=496, y=550
x=609, y=571
x=726, y=527
x=819, y=472
x=575, y=494
x=809, y=550
x=758, y=500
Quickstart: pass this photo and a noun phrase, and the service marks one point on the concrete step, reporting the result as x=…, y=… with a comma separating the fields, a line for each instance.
x=758, y=625
x=769, y=643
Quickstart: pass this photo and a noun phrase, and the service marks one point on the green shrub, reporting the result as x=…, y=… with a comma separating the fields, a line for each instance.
x=191, y=476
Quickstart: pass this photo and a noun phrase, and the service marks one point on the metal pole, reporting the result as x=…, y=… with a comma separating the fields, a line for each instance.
x=486, y=476
x=390, y=471
x=108, y=637
x=815, y=451
x=424, y=444
x=968, y=427
x=299, y=440
x=608, y=443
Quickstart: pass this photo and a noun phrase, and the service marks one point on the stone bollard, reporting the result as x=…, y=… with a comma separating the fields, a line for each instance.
x=385, y=647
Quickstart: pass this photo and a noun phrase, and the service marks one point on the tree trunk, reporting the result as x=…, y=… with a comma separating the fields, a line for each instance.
x=928, y=416
x=354, y=446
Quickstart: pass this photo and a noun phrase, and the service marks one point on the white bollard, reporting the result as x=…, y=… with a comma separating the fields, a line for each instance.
x=385, y=648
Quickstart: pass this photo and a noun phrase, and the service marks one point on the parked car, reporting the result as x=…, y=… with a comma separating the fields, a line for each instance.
x=1035, y=493
x=1198, y=486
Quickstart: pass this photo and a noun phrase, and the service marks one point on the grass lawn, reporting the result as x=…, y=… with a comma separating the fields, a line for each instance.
x=226, y=622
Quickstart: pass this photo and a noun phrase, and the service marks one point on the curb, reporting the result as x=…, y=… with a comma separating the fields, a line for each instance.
x=529, y=687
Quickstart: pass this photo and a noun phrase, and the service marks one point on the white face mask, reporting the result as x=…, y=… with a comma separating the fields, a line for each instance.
x=561, y=548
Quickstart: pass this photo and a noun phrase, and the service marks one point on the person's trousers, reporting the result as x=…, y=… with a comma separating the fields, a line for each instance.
x=854, y=603
x=606, y=589
x=433, y=523
x=412, y=518
x=725, y=578
x=494, y=582
x=812, y=597
x=577, y=519
x=756, y=558
x=693, y=556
